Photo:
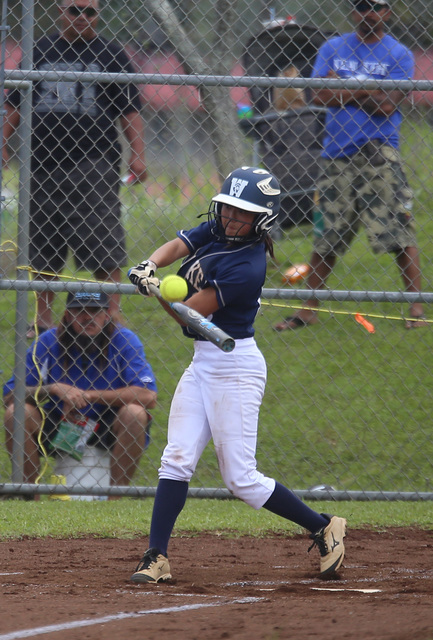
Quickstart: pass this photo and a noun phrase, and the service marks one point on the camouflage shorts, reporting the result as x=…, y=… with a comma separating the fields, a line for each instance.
x=369, y=188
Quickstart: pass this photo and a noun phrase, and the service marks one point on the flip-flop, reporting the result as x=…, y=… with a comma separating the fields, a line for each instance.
x=291, y=320
x=416, y=322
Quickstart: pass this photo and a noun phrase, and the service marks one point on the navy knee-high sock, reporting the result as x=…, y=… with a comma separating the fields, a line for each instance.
x=169, y=501
x=284, y=503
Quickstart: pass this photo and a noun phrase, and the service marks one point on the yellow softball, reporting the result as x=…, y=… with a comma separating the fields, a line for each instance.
x=173, y=288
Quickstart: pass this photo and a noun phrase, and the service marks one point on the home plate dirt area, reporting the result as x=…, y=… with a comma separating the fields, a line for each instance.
x=240, y=588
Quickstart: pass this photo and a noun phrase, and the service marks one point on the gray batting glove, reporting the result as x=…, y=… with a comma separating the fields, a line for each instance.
x=146, y=268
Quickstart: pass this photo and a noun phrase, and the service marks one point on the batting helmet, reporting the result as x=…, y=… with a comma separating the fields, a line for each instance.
x=251, y=189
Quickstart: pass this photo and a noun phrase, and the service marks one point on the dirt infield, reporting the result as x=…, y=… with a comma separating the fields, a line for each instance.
x=244, y=589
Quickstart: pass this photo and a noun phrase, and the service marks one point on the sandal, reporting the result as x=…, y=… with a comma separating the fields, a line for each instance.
x=416, y=322
x=31, y=331
x=292, y=322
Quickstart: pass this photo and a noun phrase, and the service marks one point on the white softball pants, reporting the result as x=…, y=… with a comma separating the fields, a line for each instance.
x=219, y=397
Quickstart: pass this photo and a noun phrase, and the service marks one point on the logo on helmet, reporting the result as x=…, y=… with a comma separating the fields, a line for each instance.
x=265, y=187
x=237, y=186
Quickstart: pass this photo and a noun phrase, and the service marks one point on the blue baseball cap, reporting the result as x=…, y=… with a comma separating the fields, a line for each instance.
x=384, y=3
x=99, y=300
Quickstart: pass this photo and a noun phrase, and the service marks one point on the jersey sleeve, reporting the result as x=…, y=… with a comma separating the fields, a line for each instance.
x=134, y=367
x=14, y=96
x=125, y=97
x=37, y=359
x=324, y=61
x=196, y=237
x=404, y=65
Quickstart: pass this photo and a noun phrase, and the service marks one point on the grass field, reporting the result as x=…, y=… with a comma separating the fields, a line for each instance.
x=342, y=406
x=131, y=518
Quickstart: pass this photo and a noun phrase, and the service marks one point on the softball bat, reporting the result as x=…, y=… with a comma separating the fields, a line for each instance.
x=201, y=325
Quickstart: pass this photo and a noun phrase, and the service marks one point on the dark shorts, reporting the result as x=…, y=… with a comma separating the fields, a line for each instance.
x=79, y=210
x=369, y=189
x=104, y=438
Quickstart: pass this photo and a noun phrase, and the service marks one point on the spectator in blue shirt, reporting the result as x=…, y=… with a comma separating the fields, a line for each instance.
x=362, y=180
x=86, y=369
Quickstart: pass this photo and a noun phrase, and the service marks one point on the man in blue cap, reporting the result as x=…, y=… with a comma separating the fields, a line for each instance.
x=87, y=371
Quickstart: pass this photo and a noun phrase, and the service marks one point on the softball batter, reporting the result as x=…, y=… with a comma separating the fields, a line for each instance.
x=219, y=394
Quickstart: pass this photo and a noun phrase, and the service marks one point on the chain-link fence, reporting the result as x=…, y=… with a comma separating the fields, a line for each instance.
x=119, y=122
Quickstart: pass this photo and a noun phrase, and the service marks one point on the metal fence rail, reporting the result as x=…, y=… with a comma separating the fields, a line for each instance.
x=206, y=493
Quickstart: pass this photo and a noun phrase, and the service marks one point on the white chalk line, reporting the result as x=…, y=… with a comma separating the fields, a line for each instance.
x=359, y=590
x=164, y=594
x=36, y=631
x=269, y=587
x=255, y=583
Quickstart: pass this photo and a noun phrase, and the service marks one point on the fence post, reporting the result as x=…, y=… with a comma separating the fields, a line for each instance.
x=24, y=156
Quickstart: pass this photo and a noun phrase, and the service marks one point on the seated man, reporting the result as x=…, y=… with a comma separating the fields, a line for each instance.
x=87, y=372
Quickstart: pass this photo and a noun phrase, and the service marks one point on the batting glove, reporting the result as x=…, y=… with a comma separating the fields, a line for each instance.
x=146, y=268
x=143, y=285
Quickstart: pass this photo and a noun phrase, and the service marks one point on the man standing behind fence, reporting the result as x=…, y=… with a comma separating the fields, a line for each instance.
x=76, y=152
x=362, y=179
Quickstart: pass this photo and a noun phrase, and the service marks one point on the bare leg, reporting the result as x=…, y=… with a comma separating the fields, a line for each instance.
x=321, y=267
x=130, y=430
x=32, y=423
x=408, y=261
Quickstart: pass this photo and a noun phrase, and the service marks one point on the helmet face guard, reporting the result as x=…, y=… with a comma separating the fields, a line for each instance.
x=250, y=189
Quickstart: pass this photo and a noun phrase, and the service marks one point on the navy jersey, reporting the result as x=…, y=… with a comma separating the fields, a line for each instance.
x=236, y=272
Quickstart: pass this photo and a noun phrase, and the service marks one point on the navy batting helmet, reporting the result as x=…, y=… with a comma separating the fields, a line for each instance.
x=251, y=189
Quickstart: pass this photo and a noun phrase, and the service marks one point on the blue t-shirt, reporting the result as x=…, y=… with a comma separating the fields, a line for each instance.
x=349, y=128
x=236, y=272
x=127, y=365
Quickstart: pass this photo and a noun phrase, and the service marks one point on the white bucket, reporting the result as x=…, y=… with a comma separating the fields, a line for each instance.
x=93, y=470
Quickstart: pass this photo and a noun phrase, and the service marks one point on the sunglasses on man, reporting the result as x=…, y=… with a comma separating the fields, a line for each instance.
x=363, y=6
x=75, y=11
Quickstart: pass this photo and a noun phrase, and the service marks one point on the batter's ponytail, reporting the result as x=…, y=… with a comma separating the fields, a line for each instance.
x=269, y=244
